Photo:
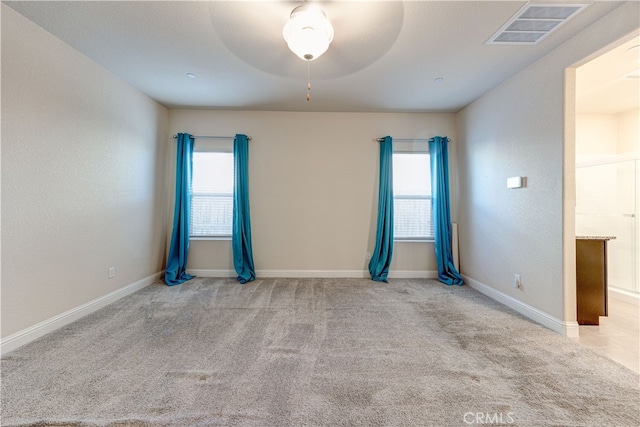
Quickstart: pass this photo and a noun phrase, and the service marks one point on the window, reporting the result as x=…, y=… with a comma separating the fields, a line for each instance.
x=412, y=196
x=212, y=194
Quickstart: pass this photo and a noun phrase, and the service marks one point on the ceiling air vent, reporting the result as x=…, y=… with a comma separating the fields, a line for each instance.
x=534, y=22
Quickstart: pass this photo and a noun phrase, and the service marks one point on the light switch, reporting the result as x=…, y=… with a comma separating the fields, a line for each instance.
x=514, y=182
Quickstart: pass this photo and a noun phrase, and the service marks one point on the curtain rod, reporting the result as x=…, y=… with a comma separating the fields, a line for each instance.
x=405, y=139
x=409, y=139
x=211, y=137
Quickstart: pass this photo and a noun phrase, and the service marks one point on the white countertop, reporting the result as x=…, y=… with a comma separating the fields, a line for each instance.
x=595, y=237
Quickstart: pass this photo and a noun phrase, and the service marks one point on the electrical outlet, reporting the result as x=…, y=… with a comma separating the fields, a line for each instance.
x=517, y=281
x=112, y=272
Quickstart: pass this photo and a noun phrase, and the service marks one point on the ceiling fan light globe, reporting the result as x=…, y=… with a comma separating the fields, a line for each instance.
x=308, y=32
x=308, y=43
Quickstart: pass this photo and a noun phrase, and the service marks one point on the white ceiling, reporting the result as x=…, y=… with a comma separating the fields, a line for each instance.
x=385, y=55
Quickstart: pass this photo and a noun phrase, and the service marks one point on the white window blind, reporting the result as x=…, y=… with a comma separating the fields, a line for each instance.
x=212, y=194
x=412, y=196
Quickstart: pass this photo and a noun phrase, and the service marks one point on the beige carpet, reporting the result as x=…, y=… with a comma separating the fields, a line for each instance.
x=312, y=352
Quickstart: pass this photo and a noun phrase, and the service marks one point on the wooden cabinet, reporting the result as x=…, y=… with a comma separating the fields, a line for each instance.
x=591, y=278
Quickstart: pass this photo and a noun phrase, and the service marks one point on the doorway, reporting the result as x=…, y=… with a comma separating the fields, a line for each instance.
x=607, y=182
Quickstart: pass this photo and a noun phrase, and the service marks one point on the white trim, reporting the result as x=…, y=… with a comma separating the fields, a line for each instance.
x=625, y=296
x=212, y=273
x=34, y=332
x=221, y=237
x=284, y=273
x=330, y=274
x=568, y=329
x=412, y=274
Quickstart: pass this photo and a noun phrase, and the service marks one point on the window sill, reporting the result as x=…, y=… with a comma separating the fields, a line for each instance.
x=209, y=237
x=410, y=240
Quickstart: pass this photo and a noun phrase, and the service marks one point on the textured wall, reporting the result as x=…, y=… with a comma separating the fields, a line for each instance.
x=515, y=129
x=596, y=136
x=602, y=135
x=313, y=186
x=629, y=131
x=82, y=178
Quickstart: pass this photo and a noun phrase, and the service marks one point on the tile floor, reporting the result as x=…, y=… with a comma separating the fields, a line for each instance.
x=618, y=334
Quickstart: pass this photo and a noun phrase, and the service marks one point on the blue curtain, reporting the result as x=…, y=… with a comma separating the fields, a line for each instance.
x=176, y=271
x=441, y=210
x=381, y=256
x=241, y=234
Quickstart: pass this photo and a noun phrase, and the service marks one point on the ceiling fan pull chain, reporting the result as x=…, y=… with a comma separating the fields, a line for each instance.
x=308, y=81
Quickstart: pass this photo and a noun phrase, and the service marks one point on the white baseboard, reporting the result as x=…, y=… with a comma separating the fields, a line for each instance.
x=328, y=274
x=325, y=274
x=568, y=329
x=625, y=296
x=412, y=274
x=285, y=273
x=212, y=273
x=34, y=332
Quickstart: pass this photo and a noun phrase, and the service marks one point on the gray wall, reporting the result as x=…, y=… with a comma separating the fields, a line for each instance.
x=525, y=127
x=313, y=182
x=83, y=158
